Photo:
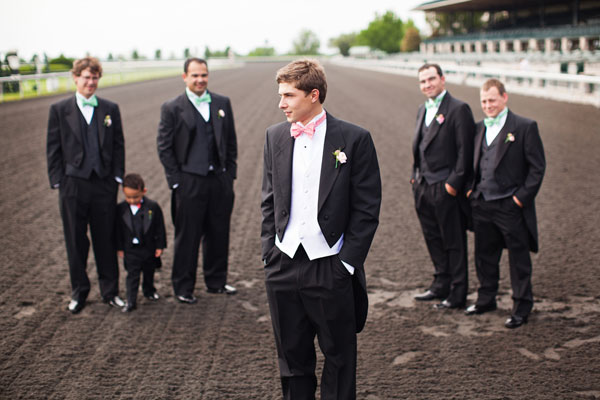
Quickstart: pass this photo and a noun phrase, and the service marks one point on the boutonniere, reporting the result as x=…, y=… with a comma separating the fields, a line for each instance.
x=509, y=138
x=221, y=113
x=107, y=121
x=340, y=157
x=150, y=215
x=439, y=118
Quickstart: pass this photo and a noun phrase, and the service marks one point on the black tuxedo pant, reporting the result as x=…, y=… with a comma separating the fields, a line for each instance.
x=498, y=224
x=444, y=228
x=90, y=201
x=203, y=206
x=309, y=298
x=136, y=266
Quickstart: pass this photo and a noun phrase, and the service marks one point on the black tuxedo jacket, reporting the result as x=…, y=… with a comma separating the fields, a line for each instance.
x=349, y=195
x=450, y=143
x=64, y=142
x=518, y=163
x=153, y=227
x=177, y=129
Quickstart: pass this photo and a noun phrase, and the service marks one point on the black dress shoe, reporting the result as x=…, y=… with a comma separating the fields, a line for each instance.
x=187, y=299
x=227, y=289
x=477, y=309
x=515, y=321
x=428, y=296
x=152, y=297
x=75, y=306
x=116, y=302
x=446, y=305
x=128, y=308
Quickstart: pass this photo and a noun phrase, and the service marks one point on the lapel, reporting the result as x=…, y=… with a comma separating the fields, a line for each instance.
x=334, y=140
x=217, y=121
x=479, y=135
x=282, y=169
x=509, y=127
x=188, y=113
x=100, y=112
x=420, y=118
x=146, y=216
x=126, y=216
x=434, y=128
x=73, y=118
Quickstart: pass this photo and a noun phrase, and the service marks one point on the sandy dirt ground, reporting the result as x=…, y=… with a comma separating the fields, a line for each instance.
x=222, y=347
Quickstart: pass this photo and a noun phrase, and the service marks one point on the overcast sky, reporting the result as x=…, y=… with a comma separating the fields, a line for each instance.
x=76, y=27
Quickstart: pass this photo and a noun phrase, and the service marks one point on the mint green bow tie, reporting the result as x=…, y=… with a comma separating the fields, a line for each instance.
x=205, y=98
x=491, y=121
x=92, y=101
x=433, y=104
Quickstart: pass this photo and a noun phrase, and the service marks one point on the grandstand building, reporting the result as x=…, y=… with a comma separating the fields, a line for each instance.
x=517, y=27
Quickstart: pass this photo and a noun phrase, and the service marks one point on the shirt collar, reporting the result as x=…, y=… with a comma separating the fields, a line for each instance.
x=191, y=95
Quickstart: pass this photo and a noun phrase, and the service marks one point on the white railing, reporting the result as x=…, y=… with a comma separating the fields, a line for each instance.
x=114, y=72
x=582, y=89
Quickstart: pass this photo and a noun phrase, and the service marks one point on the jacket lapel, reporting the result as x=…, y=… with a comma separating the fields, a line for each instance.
x=217, y=122
x=146, y=216
x=100, y=112
x=479, y=135
x=503, y=143
x=126, y=215
x=73, y=119
x=188, y=113
x=334, y=140
x=434, y=128
x=420, y=118
x=282, y=168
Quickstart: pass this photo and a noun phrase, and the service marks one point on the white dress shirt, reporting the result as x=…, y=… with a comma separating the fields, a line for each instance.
x=203, y=108
x=303, y=225
x=494, y=130
x=431, y=112
x=87, y=110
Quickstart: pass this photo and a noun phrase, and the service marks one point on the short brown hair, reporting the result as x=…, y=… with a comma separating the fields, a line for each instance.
x=306, y=75
x=134, y=181
x=87, y=62
x=490, y=83
x=187, y=63
x=436, y=66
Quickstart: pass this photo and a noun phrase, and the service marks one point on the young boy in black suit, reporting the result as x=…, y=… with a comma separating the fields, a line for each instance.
x=141, y=239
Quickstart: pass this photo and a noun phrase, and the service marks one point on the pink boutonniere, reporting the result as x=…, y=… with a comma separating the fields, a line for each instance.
x=221, y=113
x=509, y=138
x=340, y=157
x=439, y=118
x=107, y=121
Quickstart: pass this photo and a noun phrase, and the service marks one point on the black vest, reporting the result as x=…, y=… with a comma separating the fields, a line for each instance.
x=202, y=154
x=137, y=223
x=92, y=161
x=431, y=177
x=486, y=181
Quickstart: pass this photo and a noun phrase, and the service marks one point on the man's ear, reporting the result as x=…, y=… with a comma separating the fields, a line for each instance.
x=314, y=95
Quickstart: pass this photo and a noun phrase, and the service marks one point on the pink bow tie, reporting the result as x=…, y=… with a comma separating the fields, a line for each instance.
x=296, y=130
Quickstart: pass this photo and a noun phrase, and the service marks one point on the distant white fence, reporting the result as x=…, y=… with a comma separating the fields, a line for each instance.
x=114, y=72
x=581, y=89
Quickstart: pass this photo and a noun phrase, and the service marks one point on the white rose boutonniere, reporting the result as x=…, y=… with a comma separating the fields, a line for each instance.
x=340, y=157
x=221, y=113
x=509, y=138
x=107, y=121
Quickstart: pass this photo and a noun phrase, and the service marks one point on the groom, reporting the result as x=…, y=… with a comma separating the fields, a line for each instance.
x=321, y=195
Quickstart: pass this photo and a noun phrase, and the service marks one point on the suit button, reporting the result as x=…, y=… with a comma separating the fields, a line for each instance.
x=332, y=234
x=284, y=213
x=326, y=217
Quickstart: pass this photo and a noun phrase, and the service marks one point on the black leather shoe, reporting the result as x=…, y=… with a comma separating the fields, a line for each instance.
x=477, y=309
x=152, y=297
x=227, y=289
x=116, y=302
x=428, y=296
x=187, y=299
x=446, y=305
x=75, y=306
x=515, y=321
x=128, y=308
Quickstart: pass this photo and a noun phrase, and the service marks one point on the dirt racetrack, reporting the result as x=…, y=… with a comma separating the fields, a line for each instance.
x=222, y=347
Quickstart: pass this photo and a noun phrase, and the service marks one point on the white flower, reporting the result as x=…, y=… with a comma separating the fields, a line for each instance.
x=340, y=157
x=221, y=113
x=107, y=121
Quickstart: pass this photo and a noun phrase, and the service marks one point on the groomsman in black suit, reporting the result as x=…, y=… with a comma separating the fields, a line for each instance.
x=86, y=160
x=197, y=146
x=443, y=151
x=321, y=195
x=509, y=166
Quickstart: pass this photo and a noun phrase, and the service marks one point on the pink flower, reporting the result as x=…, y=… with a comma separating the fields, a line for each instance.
x=439, y=118
x=509, y=138
x=340, y=157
